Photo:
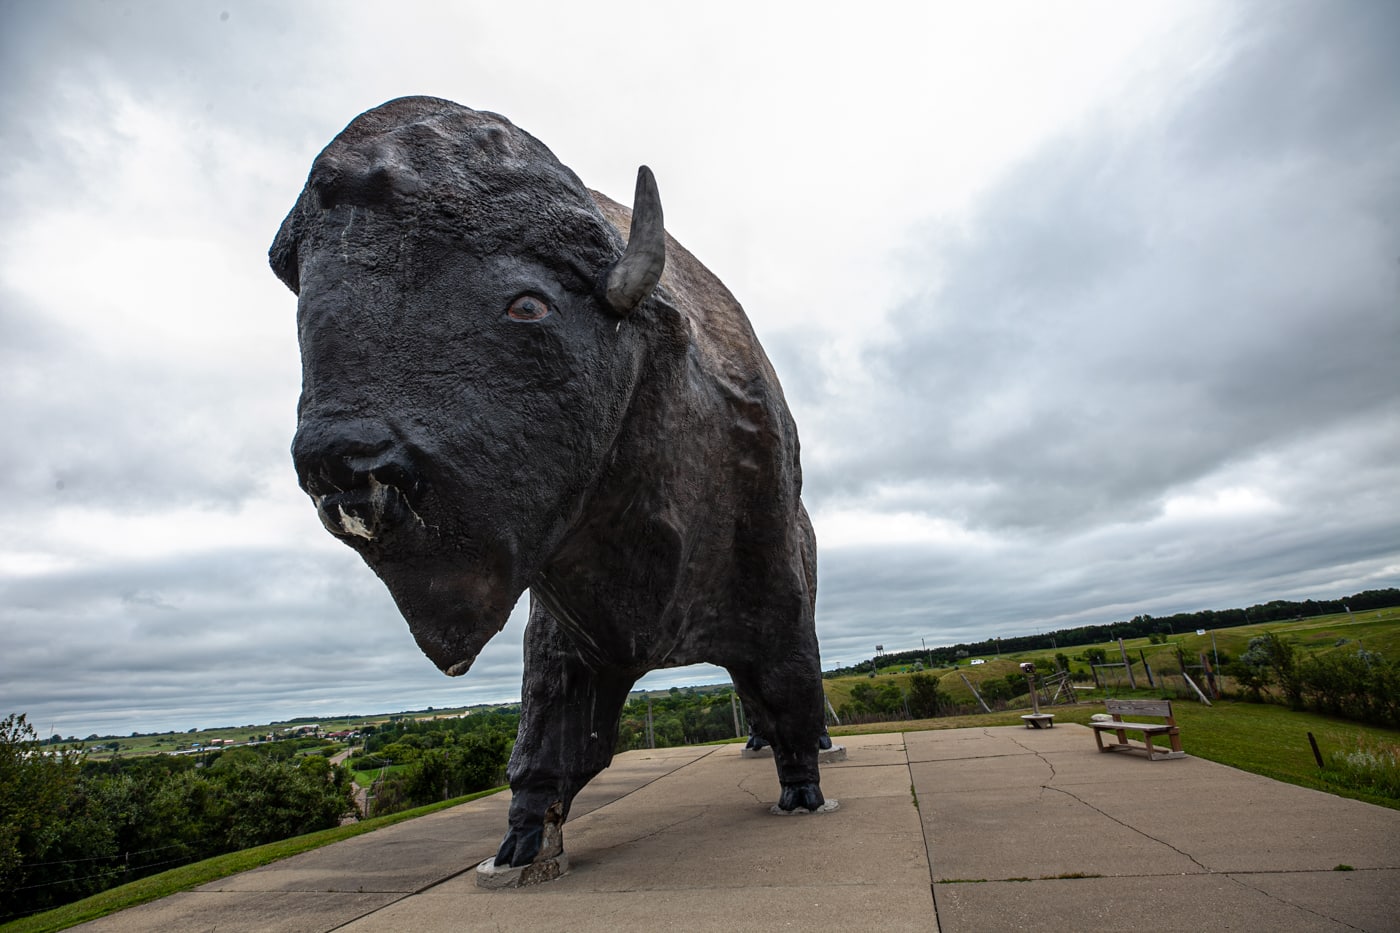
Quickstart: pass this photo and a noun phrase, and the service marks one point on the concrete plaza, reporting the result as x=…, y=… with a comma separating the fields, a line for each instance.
x=955, y=830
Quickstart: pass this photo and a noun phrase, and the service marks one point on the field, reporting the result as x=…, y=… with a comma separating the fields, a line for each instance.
x=1376, y=630
x=151, y=743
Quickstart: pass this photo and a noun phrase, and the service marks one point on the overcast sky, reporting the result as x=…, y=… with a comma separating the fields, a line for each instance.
x=1084, y=310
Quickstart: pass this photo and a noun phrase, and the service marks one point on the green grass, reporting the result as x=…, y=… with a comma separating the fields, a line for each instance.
x=221, y=866
x=367, y=778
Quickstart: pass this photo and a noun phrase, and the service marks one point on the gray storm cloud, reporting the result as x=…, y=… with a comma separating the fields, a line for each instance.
x=1143, y=361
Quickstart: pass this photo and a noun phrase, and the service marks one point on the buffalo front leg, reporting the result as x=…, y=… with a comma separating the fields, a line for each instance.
x=568, y=729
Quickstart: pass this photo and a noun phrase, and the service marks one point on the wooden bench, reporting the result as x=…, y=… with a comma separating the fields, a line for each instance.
x=1159, y=709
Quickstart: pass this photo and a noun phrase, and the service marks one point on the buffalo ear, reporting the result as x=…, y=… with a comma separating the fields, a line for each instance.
x=637, y=272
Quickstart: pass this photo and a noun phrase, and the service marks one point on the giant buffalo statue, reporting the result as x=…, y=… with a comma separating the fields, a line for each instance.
x=502, y=392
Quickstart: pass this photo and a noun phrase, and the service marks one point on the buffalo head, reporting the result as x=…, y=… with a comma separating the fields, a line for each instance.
x=467, y=354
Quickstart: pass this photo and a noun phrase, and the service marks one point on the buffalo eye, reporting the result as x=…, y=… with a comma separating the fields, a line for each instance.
x=528, y=308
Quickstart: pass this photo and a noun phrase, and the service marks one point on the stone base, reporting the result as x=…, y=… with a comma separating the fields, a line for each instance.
x=824, y=756
x=489, y=876
x=803, y=811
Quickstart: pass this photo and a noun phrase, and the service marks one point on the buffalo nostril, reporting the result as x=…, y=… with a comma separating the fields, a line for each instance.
x=362, y=480
x=346, y=473
x=337, y=455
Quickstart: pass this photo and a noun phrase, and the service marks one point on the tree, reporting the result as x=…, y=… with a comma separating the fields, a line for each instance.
x=925, y=699
x=36, y=790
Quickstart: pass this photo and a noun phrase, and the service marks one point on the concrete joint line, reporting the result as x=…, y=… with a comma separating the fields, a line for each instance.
x=928, y=851
x=658, y=831
x=679, y=767
x=403, y=897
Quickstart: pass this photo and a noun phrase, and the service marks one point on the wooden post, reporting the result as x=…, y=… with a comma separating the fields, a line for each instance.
x=1127, y=665
x=651, y=736
x=1316, y=754
x=1151, y=681
x=1210, y=676
x=985, y=707
x=734, y=708
x=1195, y=688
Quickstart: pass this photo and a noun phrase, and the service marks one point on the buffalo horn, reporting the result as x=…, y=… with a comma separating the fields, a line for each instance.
x=639, y=269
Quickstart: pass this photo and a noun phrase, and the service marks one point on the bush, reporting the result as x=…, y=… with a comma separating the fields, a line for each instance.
x=1360, y=685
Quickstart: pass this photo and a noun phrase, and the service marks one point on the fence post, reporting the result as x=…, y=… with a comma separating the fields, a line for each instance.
x=1210, y=676
x=1127, y=665
x=985, y=707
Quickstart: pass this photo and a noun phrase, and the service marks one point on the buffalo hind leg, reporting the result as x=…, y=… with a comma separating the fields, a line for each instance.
x=568, y=730
x=786, y=699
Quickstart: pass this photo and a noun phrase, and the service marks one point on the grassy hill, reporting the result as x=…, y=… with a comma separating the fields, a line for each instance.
x=1375, y=630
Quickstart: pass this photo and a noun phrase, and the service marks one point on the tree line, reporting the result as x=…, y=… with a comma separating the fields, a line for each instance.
x=72, y=826
x=1141, y=626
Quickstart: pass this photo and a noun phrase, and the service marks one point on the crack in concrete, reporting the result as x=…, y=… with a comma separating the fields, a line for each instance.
x=1195, y=861
x=1046, y=761
x=1282, y=900
x=756, y=798
x=1224, y=874
x=1229, y=876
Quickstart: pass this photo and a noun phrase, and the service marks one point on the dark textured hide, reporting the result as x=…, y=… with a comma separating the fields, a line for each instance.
x=496, y=399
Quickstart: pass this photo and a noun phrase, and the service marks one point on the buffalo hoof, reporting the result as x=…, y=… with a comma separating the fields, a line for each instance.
x=488, y=875
x=802, y=798
x=520, y=847
x=524, y=845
